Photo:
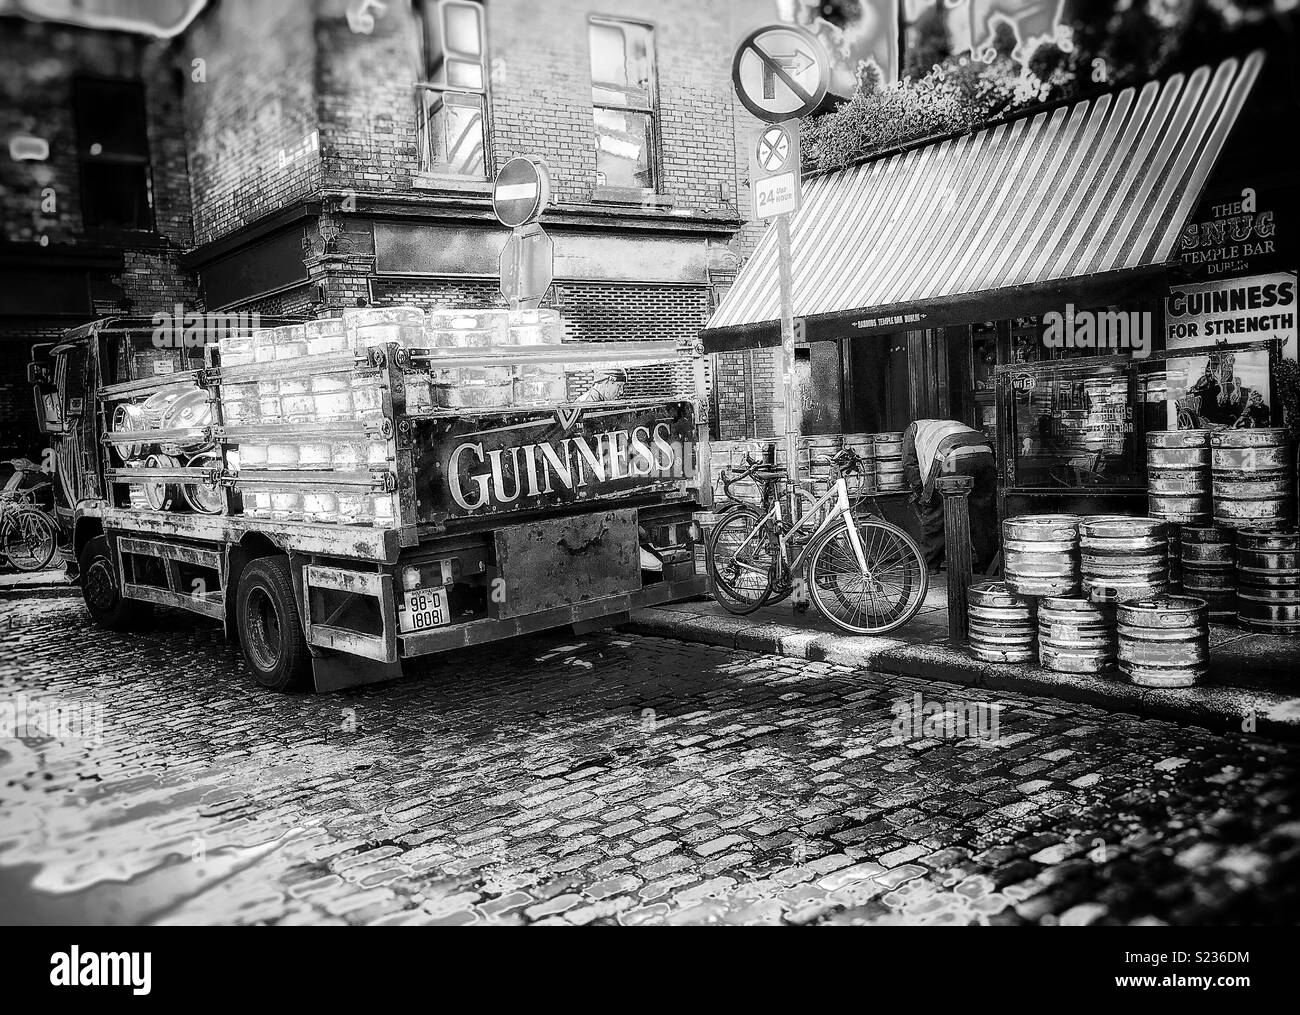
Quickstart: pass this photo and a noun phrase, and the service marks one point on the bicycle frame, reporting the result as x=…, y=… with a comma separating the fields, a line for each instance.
x=842, y=510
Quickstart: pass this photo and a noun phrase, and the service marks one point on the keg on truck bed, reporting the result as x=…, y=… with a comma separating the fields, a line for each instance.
x=1001, y=624
x=1208, y=569
x=1178, y=476
x=1164, y=641
x=1268, y=579
x=1123, y=558
x=1075, y=635
x=1040, y=554
x=1253, y=477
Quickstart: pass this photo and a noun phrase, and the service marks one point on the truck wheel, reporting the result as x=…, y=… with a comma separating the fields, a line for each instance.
x=270, y=631
x=102, y=592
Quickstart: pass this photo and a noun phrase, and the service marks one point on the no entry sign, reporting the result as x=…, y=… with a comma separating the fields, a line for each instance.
x=780, y=72
x=521, y=192
x=776, y=176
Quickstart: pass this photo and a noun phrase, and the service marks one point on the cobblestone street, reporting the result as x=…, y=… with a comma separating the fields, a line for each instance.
x=608, y=778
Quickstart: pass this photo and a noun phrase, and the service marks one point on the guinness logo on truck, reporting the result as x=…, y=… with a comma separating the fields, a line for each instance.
x=557, y=457
x=568, y=418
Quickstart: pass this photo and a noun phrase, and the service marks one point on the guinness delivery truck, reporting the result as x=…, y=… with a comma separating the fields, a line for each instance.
x=345, y=493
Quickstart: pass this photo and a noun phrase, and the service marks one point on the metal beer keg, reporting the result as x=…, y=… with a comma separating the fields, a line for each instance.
x=1164, y=641
x=1208, y=570
x=1178, y=475
x=1001, y=625
x=1253, y=477
x=1268, y=580
x=1123, y=558
x=1040, y=554
x=1075, y=635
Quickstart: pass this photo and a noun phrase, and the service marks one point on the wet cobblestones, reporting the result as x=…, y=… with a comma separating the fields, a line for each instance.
x=608, y=779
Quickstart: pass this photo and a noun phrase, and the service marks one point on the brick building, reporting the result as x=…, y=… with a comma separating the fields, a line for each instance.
x=314, y=155
x=94, y=193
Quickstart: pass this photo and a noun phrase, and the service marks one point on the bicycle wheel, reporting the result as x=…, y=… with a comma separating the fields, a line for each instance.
x=741, y=577
x=29, y=539
x=885, y=596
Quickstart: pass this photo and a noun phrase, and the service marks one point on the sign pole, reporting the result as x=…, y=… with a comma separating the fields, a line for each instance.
x=793, y=405
x=793, y=401
x=517, y=259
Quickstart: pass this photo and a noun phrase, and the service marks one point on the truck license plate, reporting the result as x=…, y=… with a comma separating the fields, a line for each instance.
x=423, y=609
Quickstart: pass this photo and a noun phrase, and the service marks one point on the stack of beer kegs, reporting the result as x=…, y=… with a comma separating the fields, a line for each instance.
x=1268, y=579
x=889, y=462
x=1178, y=486
x=1001, y=624
x=1123, y=558
x=1208, y=568
x=1253, y=477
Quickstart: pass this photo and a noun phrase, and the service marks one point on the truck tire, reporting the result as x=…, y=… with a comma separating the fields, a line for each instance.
x=102, y=592
x=270, y=631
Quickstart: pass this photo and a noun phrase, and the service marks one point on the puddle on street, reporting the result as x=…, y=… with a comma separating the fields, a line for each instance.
x=150, y=846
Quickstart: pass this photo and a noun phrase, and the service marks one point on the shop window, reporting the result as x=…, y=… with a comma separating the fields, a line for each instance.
x=624, y=107
x=453, y=97
x=113, y=155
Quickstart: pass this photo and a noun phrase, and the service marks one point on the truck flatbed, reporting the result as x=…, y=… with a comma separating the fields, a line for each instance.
x=330, y=539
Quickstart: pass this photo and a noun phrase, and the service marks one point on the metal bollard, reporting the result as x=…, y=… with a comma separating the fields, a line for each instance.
x=957, y=548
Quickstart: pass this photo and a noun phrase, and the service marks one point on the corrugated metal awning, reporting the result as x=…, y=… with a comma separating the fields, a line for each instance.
x=1101, y=187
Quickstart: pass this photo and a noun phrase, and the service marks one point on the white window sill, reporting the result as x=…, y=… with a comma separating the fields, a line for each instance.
x=451, y=184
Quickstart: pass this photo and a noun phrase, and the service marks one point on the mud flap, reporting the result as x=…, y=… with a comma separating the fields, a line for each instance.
x=333, y=671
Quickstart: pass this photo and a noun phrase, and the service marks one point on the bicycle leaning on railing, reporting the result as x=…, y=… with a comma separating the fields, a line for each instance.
x=863, y=574
x=29, y=537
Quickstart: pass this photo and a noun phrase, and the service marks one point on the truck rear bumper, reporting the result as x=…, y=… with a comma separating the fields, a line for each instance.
x=479, y=631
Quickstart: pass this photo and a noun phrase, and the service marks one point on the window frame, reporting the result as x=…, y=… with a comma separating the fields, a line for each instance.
x=84, y=158
x=444, y=177
x=654, y=158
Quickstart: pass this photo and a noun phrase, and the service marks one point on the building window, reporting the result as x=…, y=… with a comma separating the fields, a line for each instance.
x=624, y=105
x=113, y=155
x=453, y=97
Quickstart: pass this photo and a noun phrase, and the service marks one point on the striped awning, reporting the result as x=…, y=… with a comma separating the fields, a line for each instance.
x=1099, y=187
